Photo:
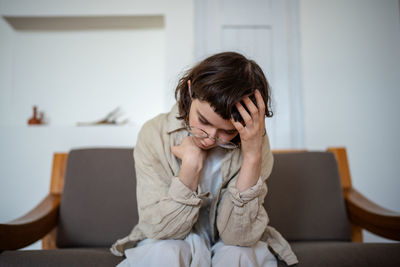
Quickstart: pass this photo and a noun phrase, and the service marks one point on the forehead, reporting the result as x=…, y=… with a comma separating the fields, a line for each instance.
x=203, y=109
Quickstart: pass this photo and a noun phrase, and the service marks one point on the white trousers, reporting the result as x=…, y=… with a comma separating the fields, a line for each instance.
x=193, y=252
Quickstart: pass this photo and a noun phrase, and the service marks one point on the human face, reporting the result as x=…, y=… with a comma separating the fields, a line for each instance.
x=203, y=116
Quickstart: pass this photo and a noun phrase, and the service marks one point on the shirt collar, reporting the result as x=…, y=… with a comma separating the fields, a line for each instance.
x=173, y=123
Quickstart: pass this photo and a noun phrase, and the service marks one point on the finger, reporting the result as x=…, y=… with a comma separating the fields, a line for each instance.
x=174, y=150
x=239, y=127
x=245, y=116
x=260, y=102
x=251, y=107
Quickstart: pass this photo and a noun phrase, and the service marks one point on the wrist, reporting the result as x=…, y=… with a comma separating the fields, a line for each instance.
x=252, y=158
x=192, y=163
x=190, y=173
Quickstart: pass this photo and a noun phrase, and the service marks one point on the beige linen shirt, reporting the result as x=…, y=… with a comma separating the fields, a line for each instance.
x=168, y=209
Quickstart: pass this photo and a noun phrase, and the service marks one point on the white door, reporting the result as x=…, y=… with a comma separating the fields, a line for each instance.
x=266, y=31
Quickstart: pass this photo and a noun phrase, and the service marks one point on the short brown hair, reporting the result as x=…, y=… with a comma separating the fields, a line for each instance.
x=222, y=80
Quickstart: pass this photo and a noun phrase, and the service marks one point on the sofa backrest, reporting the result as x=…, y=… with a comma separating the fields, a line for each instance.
x=305, y=199
x=98, y=205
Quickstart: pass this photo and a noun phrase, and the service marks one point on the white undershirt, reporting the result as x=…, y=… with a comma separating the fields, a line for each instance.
x=211, y=177
x=210, y=180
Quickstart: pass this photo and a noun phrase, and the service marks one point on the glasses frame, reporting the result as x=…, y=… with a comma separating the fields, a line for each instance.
x=226, y=145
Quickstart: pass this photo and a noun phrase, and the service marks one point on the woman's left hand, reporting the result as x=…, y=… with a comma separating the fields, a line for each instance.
x=253, y=130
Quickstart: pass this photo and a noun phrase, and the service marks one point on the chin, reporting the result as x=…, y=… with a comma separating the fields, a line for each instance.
x=208, y=147
x=204, y=147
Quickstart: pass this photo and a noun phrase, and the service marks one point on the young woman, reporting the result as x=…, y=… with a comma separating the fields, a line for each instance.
x=201, y=172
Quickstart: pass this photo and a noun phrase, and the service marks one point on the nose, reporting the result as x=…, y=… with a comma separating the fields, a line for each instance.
x=212, y=133
x=209, y=141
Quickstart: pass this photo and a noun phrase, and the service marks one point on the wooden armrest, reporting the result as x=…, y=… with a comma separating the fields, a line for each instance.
x=372, y=217
x=31, y=227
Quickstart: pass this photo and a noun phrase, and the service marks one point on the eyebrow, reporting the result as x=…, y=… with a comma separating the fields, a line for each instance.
x=206, y=121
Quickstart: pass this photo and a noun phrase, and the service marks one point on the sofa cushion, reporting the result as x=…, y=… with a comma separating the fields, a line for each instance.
x=59, y=258
x=99, y=199
x=98, y=204
x=305, y=199
x=346, y=254
x=327, y=254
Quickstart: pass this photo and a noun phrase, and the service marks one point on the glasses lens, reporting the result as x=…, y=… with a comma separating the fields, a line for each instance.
x=197, y=132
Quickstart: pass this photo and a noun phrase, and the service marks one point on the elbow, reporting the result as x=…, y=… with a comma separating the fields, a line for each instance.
x=163, y=235
x=244, y=235
x=153, y=232
x=162, y=232
x=236, y=240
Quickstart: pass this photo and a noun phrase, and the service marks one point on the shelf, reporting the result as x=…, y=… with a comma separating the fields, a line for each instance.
x=79, y=23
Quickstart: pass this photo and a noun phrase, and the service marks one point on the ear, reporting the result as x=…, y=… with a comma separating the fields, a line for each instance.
x=189, y=88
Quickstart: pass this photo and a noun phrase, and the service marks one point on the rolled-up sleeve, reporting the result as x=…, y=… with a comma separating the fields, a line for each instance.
x=241, y=198
x=173, y=215
x=167, y=208
x=241, y=216
x=180, y=193
x=242, y=219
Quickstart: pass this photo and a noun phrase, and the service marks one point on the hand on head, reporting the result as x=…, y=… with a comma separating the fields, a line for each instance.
x=253, y=128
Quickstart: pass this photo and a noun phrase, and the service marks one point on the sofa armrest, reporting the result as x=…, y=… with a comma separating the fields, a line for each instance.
x=372, y=217
x=32, y=226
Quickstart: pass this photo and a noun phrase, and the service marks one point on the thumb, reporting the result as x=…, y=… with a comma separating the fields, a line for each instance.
x=173, y=150
x=176, y=151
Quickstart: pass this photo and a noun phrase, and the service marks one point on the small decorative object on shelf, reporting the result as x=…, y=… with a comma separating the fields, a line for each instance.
x=35, y=120
x=110, y=119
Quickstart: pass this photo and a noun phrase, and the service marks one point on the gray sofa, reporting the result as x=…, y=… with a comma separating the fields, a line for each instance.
x=305, y=202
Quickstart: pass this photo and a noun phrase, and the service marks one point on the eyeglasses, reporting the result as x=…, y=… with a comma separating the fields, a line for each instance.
x=199, y=133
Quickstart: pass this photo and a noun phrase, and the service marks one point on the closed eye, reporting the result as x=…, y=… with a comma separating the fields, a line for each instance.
x=230, y=132
x=204, y=121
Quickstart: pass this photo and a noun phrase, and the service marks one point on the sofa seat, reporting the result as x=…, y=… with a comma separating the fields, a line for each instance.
x=346, y=254
x=60, y=257
x=92, y=202
x=327, y=254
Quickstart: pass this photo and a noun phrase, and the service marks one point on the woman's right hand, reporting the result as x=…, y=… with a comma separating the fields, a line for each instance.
x=193, y=158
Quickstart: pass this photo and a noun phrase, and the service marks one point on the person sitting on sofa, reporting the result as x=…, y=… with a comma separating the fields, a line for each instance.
x=201, y=172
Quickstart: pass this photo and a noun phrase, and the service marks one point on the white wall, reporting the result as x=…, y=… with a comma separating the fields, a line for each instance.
x=81, y=75
x=351, y=80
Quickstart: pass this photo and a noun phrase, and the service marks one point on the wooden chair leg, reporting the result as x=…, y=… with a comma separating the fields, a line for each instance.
x=49, y=240
x=356, y=233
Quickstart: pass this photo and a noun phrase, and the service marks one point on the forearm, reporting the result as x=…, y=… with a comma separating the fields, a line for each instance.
x=190, y=173
x=241, y=216
x=179, y=211
x=171, y=216
x=249, y=172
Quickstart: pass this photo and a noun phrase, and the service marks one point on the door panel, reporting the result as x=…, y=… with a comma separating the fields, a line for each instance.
x=261, y=30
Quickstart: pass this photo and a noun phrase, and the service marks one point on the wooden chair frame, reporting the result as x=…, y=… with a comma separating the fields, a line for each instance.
x=41, y=222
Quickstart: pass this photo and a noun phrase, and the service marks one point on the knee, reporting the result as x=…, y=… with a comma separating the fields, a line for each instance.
x=237, y=250
x=177, y=247
x=233, y=255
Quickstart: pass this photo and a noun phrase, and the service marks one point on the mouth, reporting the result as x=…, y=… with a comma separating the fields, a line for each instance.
x=207, y=147
x=201, y=144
